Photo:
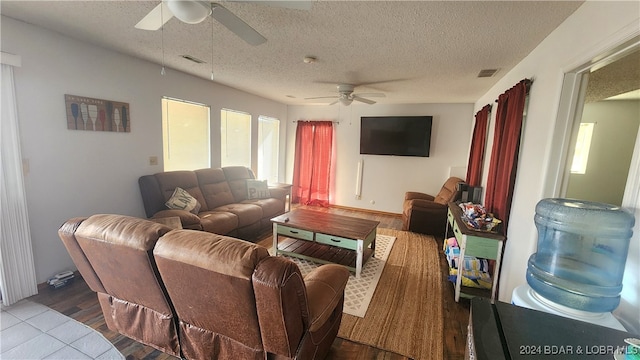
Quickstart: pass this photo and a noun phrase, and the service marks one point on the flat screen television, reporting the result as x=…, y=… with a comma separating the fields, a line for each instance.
x=395, y=135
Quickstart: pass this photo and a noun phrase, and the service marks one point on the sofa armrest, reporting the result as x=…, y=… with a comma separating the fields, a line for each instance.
x=188, y=219
x=325, y=289
x=278, y=193
x=411, y=195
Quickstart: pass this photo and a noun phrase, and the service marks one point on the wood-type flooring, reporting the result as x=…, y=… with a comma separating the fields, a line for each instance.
x=80, y=303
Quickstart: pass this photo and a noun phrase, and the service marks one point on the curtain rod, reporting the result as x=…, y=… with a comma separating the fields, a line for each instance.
x=527, y=84
x=333, y=121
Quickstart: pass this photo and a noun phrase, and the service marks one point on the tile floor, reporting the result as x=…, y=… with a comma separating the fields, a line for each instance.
x=33, y=331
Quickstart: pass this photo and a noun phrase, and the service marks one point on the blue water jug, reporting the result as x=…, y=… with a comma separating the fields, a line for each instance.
x=581, y=253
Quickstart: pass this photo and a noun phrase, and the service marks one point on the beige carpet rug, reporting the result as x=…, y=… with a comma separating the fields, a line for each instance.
x=405, y=313
x=359, y=291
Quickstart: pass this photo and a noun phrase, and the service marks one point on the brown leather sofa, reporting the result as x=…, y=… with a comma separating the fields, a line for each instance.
x=427, y=214
x=199, y=295
x=222, y=195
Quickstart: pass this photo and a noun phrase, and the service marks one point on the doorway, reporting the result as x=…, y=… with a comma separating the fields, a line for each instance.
x=606, y=132
x=575, y=102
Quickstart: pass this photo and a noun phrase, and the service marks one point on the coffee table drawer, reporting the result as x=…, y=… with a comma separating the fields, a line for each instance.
x=296, y=233
x=336, y=241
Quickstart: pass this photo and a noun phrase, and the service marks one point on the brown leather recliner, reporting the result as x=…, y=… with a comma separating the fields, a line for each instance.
x=234, y=301
x=427, y=214
x=199, y=295
x=114, y=255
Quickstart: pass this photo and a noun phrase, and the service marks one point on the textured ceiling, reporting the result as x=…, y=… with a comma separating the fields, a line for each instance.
x=620, y=77
x=419, y=51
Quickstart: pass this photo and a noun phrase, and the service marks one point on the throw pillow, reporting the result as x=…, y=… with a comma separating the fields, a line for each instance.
x=182, y=200
x=257, y=189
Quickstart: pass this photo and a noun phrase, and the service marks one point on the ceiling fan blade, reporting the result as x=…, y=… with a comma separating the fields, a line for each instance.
x=368, y=95
x=321, y=97
x=236, y=25
x=287, y=4
x=155, y=18
x=378, y=82
x=335, y=102
x=366, y=101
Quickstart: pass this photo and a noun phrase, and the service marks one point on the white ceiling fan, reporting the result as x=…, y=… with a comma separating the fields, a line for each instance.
x=346, y=96
x=196, y=11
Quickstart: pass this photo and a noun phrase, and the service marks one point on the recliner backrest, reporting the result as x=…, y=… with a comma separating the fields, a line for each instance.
x=282, y=305
x=448, y=191
x=119, y=249
x=215, y=188
x=68, y=237
x=237, y=178
x=208, y=277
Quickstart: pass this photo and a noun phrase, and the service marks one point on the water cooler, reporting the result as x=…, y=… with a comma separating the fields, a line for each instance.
x=578, y=267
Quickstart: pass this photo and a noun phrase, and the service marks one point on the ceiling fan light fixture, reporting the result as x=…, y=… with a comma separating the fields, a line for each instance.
x=190, y=12
x=346, y=101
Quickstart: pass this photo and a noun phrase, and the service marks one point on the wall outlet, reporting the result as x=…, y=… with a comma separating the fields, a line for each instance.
x=153, y=160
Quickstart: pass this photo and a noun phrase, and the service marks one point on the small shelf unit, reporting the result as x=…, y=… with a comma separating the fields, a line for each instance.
x=481, y=244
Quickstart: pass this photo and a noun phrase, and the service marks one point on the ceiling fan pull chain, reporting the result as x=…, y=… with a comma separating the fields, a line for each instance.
x=162, y=72
x=212, y=24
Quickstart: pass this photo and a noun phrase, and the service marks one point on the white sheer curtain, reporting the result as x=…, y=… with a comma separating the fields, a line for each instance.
x=17, y=269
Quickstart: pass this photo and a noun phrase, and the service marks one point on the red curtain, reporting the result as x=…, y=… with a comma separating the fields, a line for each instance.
x=476, y=154
x=504, y=156
x=312, y=163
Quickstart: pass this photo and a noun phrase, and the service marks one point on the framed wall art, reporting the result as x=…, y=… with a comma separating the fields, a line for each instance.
x=84, y=113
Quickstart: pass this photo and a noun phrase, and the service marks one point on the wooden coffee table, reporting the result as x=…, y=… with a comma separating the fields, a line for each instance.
x=325, y=238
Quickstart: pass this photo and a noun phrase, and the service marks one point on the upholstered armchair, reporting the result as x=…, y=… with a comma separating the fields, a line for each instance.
x=427, y=214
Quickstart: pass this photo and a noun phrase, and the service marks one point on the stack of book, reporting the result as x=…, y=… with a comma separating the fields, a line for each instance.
x=61, y=279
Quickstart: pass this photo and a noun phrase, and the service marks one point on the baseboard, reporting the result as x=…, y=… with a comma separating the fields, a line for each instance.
x=366, y=210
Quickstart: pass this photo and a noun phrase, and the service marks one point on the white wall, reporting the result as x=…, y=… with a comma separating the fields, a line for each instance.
x=80, y=173
x=385, y=179
x=572, y=44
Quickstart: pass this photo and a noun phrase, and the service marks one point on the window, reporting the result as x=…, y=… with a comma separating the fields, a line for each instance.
x=583, y=144
x=185, y=135
x=268, y=148
x=235, y=145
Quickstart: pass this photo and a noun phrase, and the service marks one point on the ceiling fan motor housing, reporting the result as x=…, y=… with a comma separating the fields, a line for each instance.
x=190, y=12
x=345, y=89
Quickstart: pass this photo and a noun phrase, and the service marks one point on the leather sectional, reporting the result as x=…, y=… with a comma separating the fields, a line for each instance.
x=198, y=295
x=222, y=194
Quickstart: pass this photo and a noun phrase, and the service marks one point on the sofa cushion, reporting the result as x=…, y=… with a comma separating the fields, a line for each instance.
x=188, y=220
x=247, y=213
x=214, y=187
x=236, y=176
x=257, y=189
x=187, y=180
x=218, y=222
x=270, y=207
x=182, y=200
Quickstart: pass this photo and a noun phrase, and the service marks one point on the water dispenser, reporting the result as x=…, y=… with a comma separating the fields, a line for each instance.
x=581, y=253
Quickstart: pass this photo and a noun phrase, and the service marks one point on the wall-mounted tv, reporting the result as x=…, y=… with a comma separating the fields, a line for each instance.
x=395, y=135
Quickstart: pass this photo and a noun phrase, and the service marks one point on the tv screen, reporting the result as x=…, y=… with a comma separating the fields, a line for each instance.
x=395, y=135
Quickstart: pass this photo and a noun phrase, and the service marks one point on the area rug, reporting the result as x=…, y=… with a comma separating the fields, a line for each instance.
x=359, y=291
x=405, y=314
